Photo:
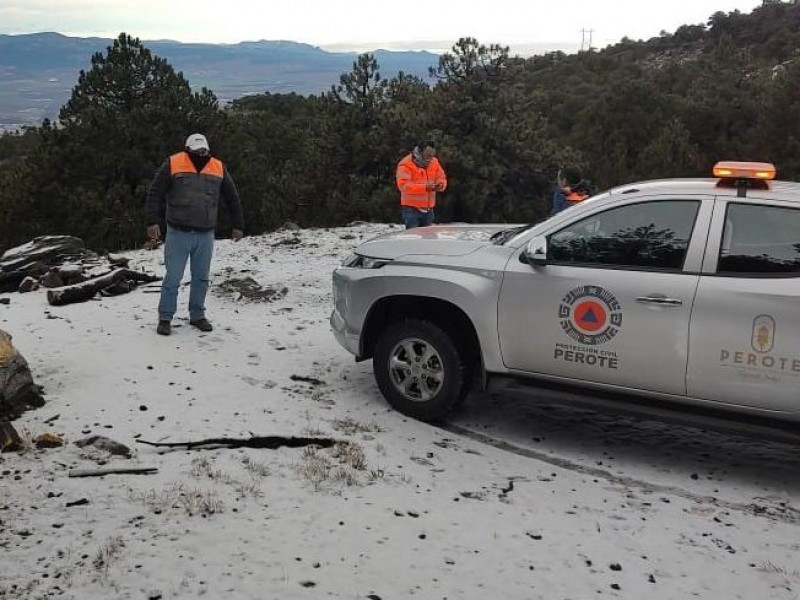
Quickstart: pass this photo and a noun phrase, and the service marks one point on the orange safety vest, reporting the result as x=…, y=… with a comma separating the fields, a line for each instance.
x=574, y=197
x=181, y=163
x=412, y=182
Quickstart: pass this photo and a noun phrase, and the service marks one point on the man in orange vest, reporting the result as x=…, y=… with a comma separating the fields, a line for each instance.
x=419, y=176
x=572, y=189
x=185, y=193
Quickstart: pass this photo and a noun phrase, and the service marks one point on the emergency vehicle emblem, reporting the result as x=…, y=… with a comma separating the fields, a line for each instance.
x=590, y=315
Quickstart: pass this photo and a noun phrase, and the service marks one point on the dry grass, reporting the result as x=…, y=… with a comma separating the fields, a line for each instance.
x=177, y=497
x=257, y=469
x=342, y=464
x=203, y=468
x=375, y=474
x=97, y=456
x=350, y=426
x=770, y=567
x=314, y=466
x=311, y=429
x=249, y=490
x=349, y=454
x=108, y=553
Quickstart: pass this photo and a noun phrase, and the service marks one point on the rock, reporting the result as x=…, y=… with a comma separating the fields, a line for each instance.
x=72, y=274
x=18, y=393
x=289, y=241
x=118, y=260
x=52, y=279
x=47, y=249
x=9, y=439
x=5, y=300
x=103, y=443
x=248, y=288
x=289, y=226
x=69, y=271
x=48, y=440
x=29, y=284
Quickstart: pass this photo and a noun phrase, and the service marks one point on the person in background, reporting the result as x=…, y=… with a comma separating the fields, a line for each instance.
x=571, y=189
x=419, y=176
x=185, y=194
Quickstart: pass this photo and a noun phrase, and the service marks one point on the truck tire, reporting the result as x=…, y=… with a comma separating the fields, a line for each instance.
x=419, y=369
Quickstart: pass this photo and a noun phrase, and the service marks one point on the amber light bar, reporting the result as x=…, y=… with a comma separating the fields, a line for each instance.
x=729, y=169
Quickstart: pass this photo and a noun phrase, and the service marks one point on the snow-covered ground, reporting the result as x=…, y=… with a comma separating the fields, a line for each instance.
x=578, y=504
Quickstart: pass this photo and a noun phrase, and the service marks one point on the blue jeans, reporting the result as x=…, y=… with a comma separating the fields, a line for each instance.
x=416, y=218
x=197, y=247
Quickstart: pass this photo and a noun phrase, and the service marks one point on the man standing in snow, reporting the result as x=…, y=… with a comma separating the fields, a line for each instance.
x=419, y=176
x=185, y=193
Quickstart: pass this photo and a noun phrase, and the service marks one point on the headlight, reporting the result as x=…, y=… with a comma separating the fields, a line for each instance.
x=357, y=261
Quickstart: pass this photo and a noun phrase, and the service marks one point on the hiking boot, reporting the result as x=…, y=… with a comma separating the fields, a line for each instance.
x=164, y=328
x=201, y=324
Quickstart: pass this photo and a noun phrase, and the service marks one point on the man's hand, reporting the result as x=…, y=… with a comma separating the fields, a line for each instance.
x=237, y=234
x=431, y=186
x=439, y=187
x=154, y=232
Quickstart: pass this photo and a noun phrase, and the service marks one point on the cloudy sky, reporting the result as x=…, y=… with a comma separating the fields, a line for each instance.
x=359, y=24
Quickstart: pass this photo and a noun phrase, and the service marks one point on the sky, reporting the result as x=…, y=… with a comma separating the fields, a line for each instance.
x=519, y=498
x=358, y=25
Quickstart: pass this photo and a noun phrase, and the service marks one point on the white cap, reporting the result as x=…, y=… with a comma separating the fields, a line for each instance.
x=197, y=141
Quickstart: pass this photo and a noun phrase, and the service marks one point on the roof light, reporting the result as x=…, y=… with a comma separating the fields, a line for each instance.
x=729, y=169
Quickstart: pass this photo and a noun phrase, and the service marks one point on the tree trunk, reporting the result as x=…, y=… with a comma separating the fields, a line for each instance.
x=80, y=292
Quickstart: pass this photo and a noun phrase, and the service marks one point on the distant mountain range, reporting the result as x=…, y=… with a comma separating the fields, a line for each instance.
x=38, y=71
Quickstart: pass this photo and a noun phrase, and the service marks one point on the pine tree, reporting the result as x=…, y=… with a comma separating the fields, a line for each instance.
x=126, y=115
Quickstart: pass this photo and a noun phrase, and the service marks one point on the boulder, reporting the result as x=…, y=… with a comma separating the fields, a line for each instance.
x=35, y=258
x=18, y=393
x=52, y=279
x=29, y=284
x=47, y=249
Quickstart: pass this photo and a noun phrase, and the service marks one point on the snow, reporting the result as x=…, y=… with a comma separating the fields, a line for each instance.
x=563, y=502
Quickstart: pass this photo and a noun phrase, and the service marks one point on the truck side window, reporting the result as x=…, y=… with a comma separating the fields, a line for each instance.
x=763, y=240
x=652, y=235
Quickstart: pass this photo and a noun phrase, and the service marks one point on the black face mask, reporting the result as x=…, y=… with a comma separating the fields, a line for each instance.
x=197, y=160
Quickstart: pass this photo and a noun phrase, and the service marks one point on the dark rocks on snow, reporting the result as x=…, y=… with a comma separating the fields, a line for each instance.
x=248, y=288
x=29, y=284
x=103, y=443
x=36, y=257
x=52, y=279
x=60, y=264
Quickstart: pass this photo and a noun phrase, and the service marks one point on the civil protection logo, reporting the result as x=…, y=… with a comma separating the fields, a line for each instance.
x=590, y=315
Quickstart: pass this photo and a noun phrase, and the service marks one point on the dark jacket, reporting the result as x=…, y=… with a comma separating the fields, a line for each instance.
x=186, y=191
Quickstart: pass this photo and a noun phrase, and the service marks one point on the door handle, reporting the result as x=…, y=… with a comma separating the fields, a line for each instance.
x=659, y=299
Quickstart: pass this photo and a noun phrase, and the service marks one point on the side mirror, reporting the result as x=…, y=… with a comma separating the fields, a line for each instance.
x=536, y=251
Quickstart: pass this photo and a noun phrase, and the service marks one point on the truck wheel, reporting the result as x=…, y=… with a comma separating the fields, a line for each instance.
x=419, y=369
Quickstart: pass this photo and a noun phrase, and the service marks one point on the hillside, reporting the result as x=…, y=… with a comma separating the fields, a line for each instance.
x=518, y=498
x=38, y=71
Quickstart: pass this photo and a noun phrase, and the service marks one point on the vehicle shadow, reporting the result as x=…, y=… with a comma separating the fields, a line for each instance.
x=734, y=461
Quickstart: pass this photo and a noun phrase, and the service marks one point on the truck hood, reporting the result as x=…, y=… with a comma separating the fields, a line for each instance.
x=440, y=240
